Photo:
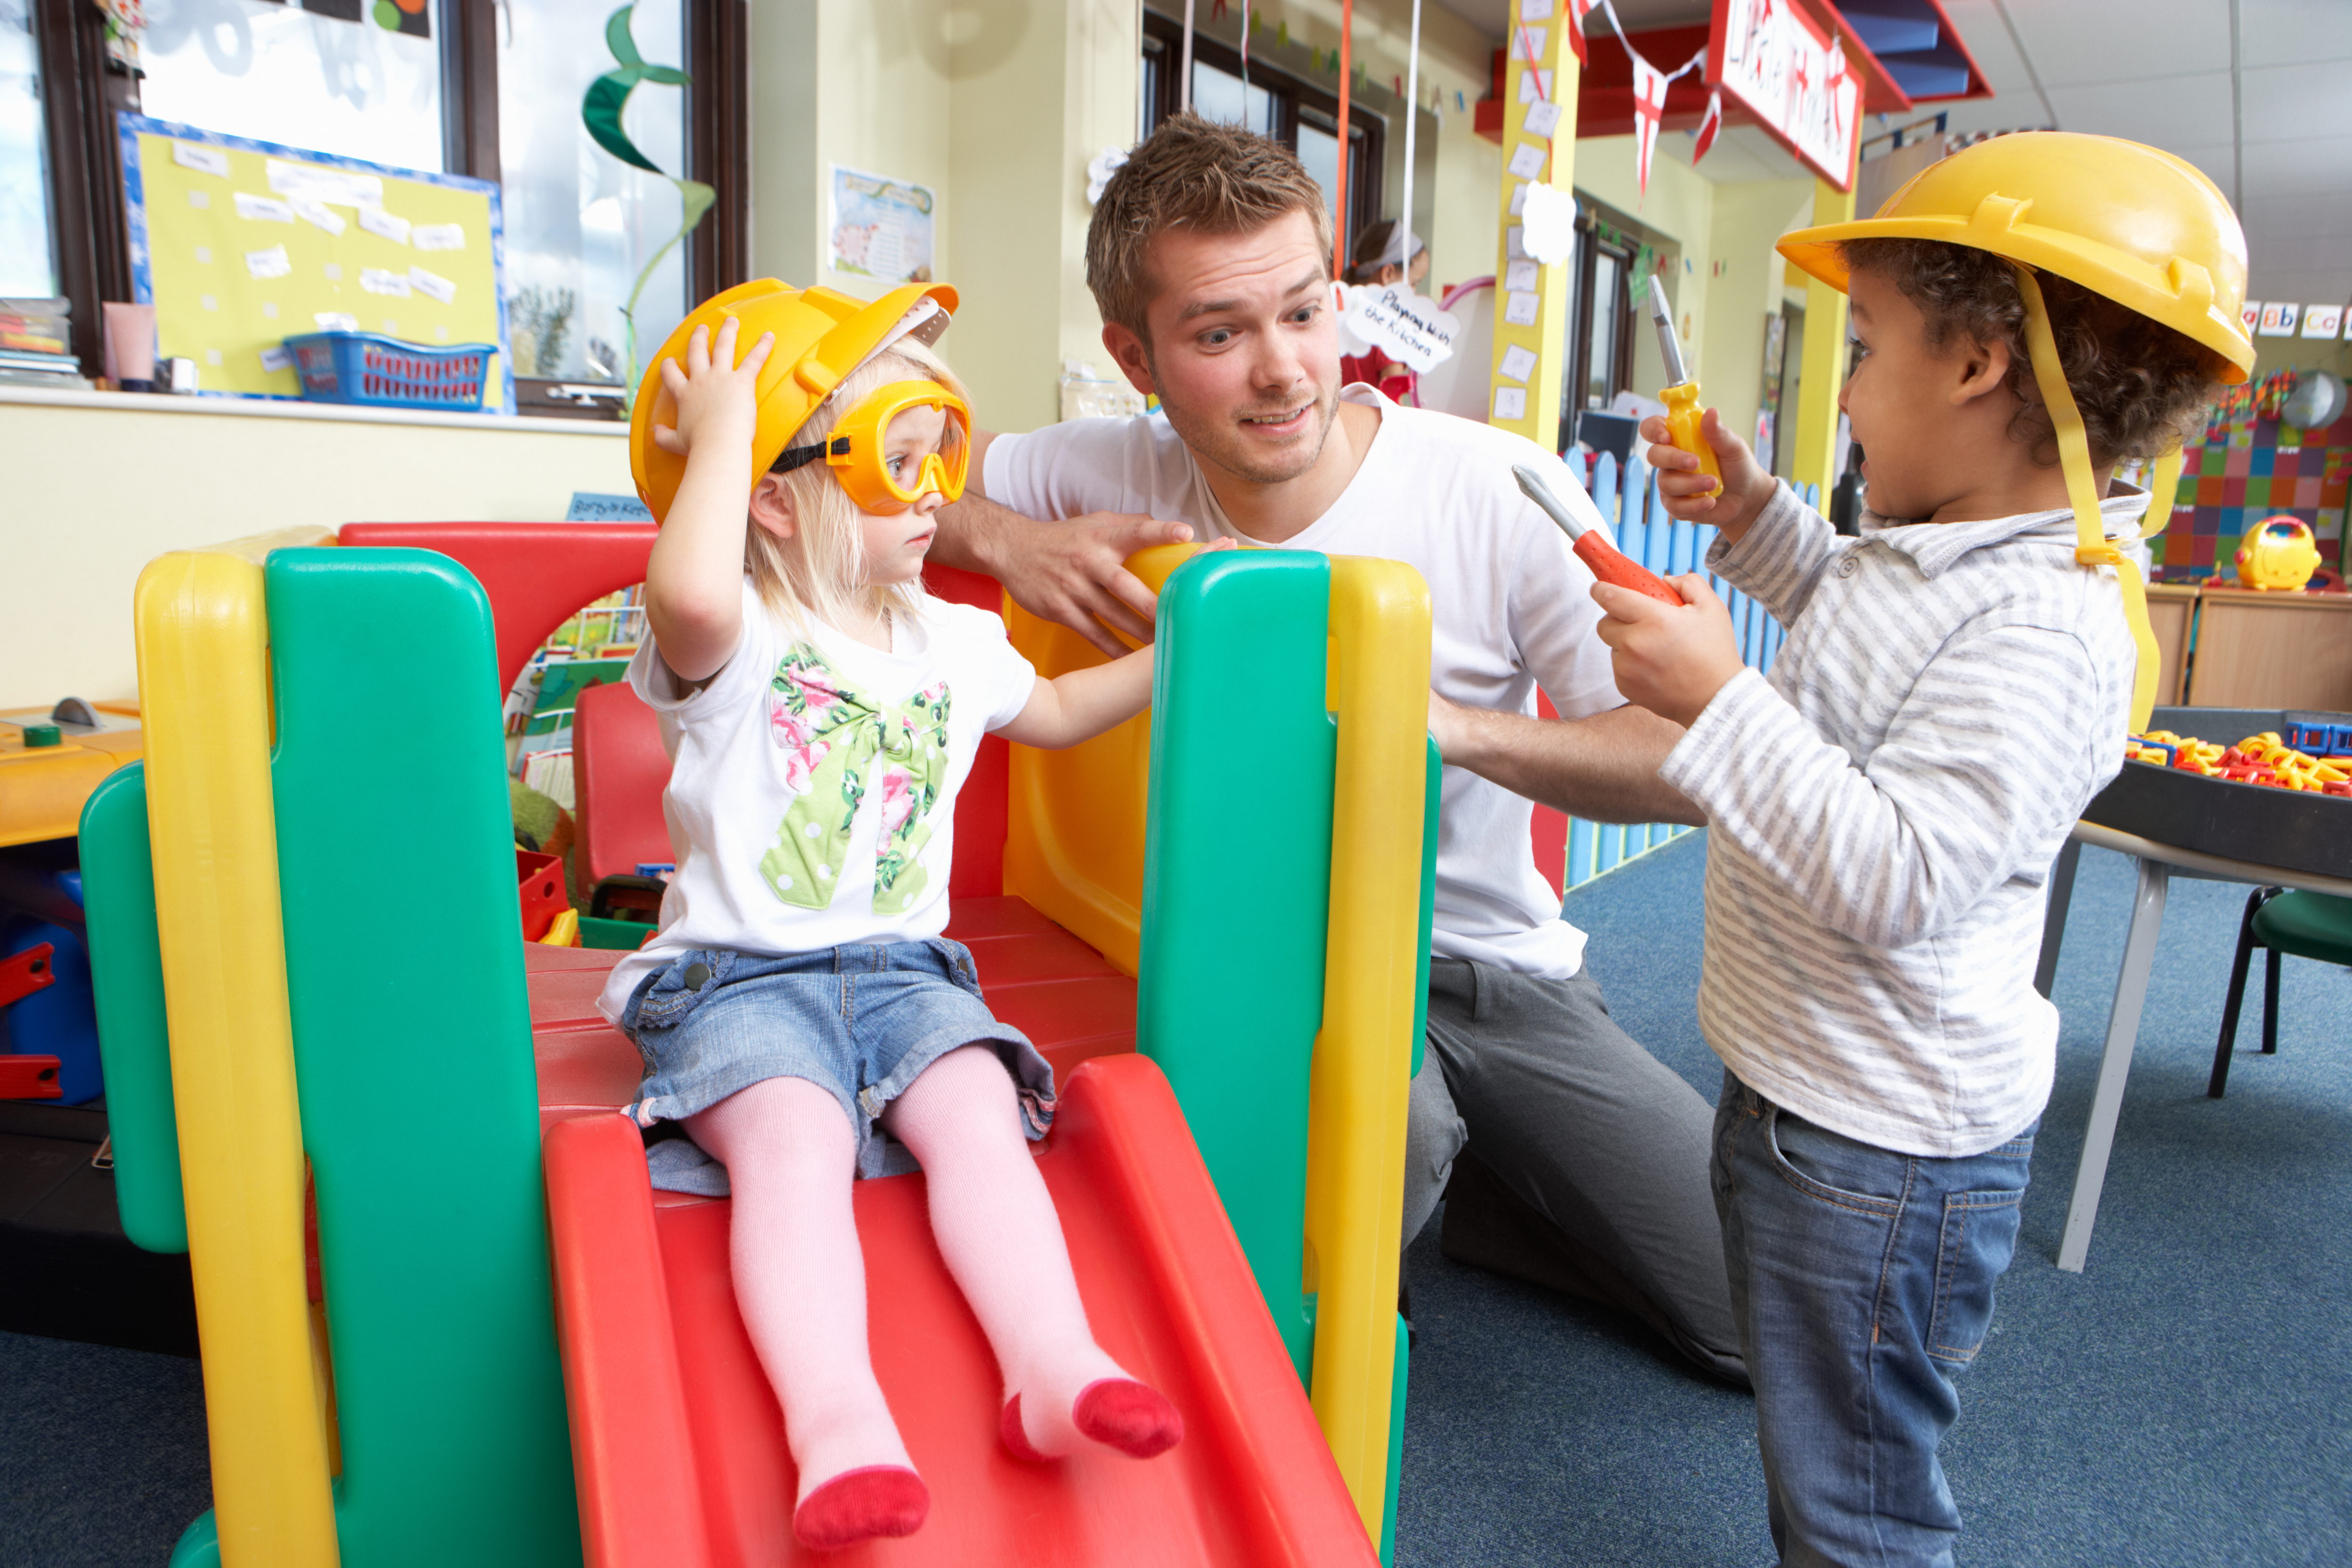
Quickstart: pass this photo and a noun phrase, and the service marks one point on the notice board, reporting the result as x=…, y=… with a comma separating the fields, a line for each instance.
x=240, y=245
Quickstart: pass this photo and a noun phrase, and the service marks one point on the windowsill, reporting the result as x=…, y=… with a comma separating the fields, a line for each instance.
x=270, y=408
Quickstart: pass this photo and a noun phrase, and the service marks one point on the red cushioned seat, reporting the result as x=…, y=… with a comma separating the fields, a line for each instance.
x=618, y=773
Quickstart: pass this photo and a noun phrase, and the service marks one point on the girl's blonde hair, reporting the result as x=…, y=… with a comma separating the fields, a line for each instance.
x=820, y=573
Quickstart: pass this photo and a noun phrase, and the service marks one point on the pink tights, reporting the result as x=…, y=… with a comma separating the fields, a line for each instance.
x=799, y=1283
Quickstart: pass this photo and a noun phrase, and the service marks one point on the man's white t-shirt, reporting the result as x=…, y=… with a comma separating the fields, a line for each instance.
x=1512, y=609
x=812, y=783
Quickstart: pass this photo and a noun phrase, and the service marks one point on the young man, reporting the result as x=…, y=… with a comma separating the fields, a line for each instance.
x=1210, y=257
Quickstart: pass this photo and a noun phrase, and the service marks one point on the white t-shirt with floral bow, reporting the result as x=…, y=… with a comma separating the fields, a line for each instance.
x=812, y=794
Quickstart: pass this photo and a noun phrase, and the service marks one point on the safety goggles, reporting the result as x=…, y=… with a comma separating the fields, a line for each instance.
x=878, y=480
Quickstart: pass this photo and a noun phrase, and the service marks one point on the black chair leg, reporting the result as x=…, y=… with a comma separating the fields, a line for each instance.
x=2237, y=996
x=2270, y=1003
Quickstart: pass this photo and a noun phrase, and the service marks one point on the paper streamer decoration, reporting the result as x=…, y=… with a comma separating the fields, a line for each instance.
x=600, y=111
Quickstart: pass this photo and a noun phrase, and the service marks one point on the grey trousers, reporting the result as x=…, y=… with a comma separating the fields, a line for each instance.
x=1576, y=1158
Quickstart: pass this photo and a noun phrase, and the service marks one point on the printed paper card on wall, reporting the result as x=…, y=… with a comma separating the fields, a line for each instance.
x=1793, y=76
x=240, y=245
x=881, y=228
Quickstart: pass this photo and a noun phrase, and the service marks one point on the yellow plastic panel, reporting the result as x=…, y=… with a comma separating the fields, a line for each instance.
x=205, y=687
x=1363, y=1059
x=1073, y=830
x=42, y=788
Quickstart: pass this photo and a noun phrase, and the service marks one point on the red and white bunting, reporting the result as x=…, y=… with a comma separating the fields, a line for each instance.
x=1649, y=110
x=1577, y=12
x=1709, y=127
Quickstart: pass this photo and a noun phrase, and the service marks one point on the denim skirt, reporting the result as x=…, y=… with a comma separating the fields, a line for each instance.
x=860, y=1022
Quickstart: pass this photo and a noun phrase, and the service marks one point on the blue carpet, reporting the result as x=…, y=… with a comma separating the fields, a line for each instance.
x=2182, y=1403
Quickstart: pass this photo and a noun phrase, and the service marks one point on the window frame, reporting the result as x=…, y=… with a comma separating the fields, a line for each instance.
x=1293, y=99
x=82, y=91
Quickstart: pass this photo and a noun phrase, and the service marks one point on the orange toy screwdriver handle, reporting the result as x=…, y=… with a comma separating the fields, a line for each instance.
x=1605, y=560
x=1613, y=566
x=1683, y=417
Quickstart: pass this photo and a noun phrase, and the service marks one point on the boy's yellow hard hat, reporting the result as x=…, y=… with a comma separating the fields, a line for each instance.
x=822, y=336
x=2133, y=222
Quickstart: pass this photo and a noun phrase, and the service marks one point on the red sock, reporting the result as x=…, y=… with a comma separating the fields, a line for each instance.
x=1129, y=1416
x=856, y=1505
x=1118, y=1412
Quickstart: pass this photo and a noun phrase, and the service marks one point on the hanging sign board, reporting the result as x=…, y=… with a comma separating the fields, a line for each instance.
x=1792, y=77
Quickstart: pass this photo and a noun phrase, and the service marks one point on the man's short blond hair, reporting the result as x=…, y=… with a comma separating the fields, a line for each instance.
x=1191, y=173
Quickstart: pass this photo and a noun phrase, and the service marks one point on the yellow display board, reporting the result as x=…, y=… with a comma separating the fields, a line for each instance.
x=240, y=245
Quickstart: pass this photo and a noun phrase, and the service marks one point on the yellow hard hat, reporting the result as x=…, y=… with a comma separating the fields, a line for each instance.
x=822, y=336
x=2128, y=222
x=2132, y=223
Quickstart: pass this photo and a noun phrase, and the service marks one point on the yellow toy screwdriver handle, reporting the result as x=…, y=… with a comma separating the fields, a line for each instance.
x=1683, y=418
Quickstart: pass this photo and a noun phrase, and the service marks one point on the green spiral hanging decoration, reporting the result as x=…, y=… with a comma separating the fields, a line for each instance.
x=600, y=111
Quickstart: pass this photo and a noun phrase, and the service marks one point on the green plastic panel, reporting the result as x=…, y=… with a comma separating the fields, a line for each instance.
x=1236, y=889
x=126, y=967
x=1396, y=1433
x=413, y=1064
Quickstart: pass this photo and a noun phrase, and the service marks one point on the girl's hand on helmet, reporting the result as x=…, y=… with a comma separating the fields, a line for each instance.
x=713, y=396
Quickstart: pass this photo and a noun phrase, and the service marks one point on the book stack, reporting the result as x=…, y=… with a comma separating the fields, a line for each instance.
x=33, y=347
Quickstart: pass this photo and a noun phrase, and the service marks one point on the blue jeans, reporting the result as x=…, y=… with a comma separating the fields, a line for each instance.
x=1862, y=1281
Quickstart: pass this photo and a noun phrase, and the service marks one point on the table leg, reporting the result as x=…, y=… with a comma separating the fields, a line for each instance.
x=2123, y=1032
x=2053, y=916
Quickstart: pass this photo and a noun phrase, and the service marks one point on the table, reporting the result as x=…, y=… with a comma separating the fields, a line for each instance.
x=2158, y=864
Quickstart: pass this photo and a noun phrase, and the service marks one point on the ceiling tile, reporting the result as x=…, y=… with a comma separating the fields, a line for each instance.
x=2182, y=110
x=2316, y=169
x=2288, y=103
x=2300, y=215
x=2287, y=32
x=1980, y=27
x=2075, y=42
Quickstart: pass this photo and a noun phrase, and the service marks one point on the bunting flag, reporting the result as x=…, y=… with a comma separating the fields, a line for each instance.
x=1709, y=127
x=1578, y=10
x=1649, y=110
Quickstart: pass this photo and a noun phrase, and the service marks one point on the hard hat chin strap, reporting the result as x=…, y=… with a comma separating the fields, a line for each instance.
x=2091, y=547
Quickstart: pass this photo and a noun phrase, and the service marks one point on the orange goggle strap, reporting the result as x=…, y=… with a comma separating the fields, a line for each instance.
x=855, y=449
x=2091, y=547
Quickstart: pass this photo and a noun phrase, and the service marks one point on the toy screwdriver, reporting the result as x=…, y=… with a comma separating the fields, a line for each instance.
x=1607, y=561
x=1681, y=396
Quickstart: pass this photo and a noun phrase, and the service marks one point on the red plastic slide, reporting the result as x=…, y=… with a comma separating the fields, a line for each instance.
x=679, y=1448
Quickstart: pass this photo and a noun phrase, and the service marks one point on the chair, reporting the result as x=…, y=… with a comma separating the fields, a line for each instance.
x=2309, y=925
x=618, y=772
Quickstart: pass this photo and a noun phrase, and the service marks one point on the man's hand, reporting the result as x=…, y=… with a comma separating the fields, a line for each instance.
x=1747, y=485
x=1670, y=659
x=1073, y=573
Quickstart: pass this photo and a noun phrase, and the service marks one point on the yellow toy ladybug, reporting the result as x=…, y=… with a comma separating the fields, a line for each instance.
x=2279, y=555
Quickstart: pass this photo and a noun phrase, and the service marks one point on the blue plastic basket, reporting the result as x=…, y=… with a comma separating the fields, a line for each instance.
x=376, y=371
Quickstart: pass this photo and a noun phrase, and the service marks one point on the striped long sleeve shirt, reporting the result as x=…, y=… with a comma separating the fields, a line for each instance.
x=1884, y=808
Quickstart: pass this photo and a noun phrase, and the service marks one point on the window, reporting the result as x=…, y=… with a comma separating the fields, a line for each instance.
x=1301, y=115
x=28, y=262
x=488, y=87
x=582, y=225
x=302, y=77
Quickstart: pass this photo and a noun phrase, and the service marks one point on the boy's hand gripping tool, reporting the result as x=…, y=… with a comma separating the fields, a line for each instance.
x=1607, y=561
x=1681, y=396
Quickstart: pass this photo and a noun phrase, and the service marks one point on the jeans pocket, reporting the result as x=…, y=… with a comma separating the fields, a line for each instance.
x=1979, y=1236
x=957, y=960
x=675, y=991
x=1828, y=1166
